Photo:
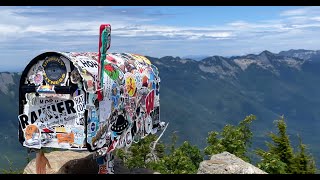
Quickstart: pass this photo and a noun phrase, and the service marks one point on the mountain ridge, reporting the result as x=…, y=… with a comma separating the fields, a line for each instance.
x=202, y=96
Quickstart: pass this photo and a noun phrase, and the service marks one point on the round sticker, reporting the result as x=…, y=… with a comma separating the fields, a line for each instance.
x=55, y=70
x=130, y=85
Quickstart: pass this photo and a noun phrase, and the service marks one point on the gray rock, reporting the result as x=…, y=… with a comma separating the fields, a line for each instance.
x=226, y=163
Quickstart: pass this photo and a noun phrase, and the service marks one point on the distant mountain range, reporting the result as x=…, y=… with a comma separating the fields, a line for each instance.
x=198, y=96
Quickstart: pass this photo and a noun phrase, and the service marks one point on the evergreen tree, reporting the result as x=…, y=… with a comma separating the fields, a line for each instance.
x=233, y=139
x=182, y=160
x=303, y=163
x=280, y=157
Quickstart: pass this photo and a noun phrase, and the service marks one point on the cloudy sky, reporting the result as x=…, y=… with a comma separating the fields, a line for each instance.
x=156, y=31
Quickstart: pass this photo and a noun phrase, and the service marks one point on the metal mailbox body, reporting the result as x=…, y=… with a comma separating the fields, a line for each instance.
x=59, y=105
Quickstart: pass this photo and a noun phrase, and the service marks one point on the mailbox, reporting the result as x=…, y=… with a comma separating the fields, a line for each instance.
x=95, y=101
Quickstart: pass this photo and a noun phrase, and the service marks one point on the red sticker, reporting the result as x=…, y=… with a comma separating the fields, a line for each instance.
x=150, y=102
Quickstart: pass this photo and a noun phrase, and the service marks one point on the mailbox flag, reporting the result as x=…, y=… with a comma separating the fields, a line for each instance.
x=104, y=45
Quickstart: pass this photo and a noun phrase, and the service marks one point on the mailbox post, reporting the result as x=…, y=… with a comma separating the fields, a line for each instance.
x=89, y=101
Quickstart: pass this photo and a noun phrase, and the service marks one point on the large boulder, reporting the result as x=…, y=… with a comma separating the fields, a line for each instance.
x=71, y=162
x=226, y=163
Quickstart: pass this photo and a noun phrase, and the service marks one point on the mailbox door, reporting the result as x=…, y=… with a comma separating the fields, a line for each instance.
x=52, y=99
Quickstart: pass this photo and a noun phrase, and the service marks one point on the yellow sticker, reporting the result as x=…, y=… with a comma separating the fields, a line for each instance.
x=131, y=85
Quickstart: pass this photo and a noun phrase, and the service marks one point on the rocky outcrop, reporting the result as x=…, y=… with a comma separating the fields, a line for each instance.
x=70, y=162
x=226, y=163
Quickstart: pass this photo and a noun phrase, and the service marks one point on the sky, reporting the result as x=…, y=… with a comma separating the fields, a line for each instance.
x=27, y=31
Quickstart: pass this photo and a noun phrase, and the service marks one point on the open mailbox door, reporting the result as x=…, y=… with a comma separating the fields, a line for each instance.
x=88, y=101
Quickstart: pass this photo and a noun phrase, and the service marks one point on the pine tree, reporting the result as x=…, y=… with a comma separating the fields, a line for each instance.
x=303, y=163
x=280, y=157
x=182, y=160
x=233, y=139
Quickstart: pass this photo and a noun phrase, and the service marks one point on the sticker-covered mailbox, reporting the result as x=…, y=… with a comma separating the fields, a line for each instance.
x=88, y=101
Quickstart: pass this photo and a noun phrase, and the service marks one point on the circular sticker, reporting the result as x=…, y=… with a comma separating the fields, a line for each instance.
x=75, y=76
x=55, y=70
x=130, y=84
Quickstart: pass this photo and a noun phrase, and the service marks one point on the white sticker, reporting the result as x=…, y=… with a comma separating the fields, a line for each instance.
x=105, y=109
x=88, y=64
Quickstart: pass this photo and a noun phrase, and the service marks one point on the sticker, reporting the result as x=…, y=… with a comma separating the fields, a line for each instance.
x=79, y=135
x=32, y=135
x=79, y=104
x=38, y=79
x=122, y=142
x=105, y=109
x=46, y=138
x=111, y=59
x=103, y=169
x=91, y=99
x=75, y=76
x=148, y=125
x=56, y=113
x=138, y=80
x=150, y=102
x=115, y=95
x=89, y=84
x=111, y=71
x=88, y=64
x=55, y=70
x=65, y=138
x=61, y=129
x=155, y=116
x=145, y=81
x=93, y=123
x=120, y=125
x=128, y=136
x=130, y=84
x=117, y=57
x=46, y=89
x=107, y=86
x=112, y=146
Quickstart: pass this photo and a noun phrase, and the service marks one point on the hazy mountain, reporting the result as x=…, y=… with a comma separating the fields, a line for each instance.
x=309, y=55
x=201, y=96
x=195, y=57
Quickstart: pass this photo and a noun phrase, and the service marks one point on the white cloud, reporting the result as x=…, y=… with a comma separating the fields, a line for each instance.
x=312, y=10
x=72, y=29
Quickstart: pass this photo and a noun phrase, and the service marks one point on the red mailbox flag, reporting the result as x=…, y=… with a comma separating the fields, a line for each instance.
x=104, y=45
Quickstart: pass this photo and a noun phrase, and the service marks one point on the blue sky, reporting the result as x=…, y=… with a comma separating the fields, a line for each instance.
x=156, y=31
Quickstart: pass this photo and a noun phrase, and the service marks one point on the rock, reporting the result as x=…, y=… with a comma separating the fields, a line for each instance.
x=71, y=162
x=226, y=163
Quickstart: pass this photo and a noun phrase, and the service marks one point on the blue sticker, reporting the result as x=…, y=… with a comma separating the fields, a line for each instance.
x=115, y=95
x=93, y=123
